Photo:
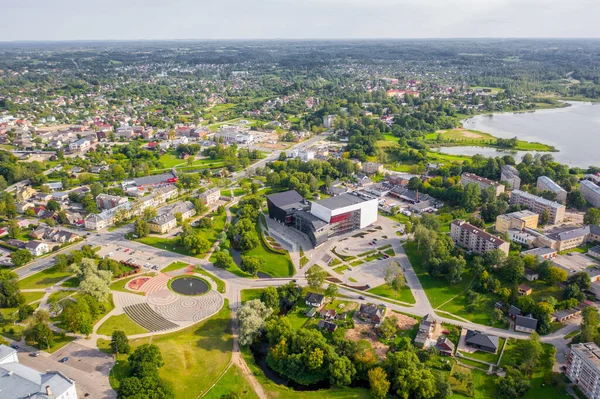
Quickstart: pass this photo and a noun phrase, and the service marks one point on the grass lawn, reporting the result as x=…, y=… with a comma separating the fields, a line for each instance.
x=384, y=290
x=120, y=285
x=121, y=322
x=334, y=262
x=356, y=263
x=174, y=266
x=44, y=279
x=220, y=283
x=73, y=282
x=543, y=290
x=33, y=296
x=59, y=295
x=483, y=384
x=251, y=293
x=194, y=357
x=233, y=381
x=340, y=269
x=303, y=261
x=59, y=342
x=485, y=356
x=277, y=264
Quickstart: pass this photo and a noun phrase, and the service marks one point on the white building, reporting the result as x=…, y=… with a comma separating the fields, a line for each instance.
x=583, y=368
x=80, y=145
x=538, y=205
x=345, y=212
x=302, y=154
x=19, y=381
x=591, y=192
x=482, y=182
x=238, y=136
x=510, y=175
x=211, y=195
x=328, y=121
x=544, y=183
x=37, y=248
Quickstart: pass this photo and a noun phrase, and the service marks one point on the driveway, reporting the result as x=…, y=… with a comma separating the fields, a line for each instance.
x=89, y=368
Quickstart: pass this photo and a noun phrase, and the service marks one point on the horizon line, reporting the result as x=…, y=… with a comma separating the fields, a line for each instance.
x=297, y=39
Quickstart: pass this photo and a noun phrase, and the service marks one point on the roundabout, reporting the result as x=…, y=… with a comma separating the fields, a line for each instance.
x=189, y=285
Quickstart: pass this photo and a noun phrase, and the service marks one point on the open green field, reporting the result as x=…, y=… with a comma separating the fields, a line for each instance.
x=384, y=290
x=173, y=244
x=194, y=357
x=251, y=293
x=171, y=160
x=233, y=381
x=174, y=266
x=121, y=322
x=448, y=298
x=460, y=136
x=44, y=279
x=277, y=264
x=33, y=296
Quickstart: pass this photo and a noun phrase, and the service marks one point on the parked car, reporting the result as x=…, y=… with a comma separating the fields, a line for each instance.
x=64, y=359
x=34, y=354
x=14, y=346
x=361, y=297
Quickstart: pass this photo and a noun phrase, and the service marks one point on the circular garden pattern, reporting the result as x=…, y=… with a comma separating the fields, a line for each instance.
x=189, y=285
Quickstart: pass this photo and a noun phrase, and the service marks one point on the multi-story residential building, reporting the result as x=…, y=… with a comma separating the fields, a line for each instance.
x=186, y=208
x=537, y=204
x=105, y=201
x=23, y=194
x=328, y=121
x=20, y=381
x=163, y=223
x=302, y=154
x=544, y=183
x=583, y=368
x=482, y=182
x=80, y=145
x=211, y=195
x=516, y=220
x=591, y=192
x=371, y=168
x=510, y=175
x=475, y=239
x=166, y=193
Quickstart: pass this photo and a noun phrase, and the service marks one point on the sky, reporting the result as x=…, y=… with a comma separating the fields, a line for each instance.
x=295, y=19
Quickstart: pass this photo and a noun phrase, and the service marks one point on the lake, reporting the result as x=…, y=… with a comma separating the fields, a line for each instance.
x=574, y=131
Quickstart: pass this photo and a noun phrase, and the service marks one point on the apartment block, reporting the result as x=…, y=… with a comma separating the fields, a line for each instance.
x=537, y=204
x=510, y=175
x=591, y=192
x=583, y=368
x=517, y=220
x=482, y=182
x=475, y=239
x=544, y=183
x=211, y=195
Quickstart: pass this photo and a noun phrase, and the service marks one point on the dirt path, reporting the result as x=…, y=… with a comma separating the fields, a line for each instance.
x=238, y=360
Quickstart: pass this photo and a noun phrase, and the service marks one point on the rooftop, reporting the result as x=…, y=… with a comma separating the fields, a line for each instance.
x=589, y=350
x=591, y=185
x=539, y=200
x=551, y=184
x=340, y=201
x=286, y=199
x=480, y=179
x=484, y=235
x=526, y=321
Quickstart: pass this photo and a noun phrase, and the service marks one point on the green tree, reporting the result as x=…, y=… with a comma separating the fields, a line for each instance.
x=331, y=292
x=21, y=257
x=544, y=217
x=25, y=311
x=270, y=297
x=119, y=342
x=589, y=324
x=14, y=231
x=471, y=197
x=224, y=260
x=145, y=361
x=341, y=372
x=592, y=216
x=141, y=228
x=251, y=317
x=53, y=205
x=252, y=264
x=315, y=277
x=249, y=240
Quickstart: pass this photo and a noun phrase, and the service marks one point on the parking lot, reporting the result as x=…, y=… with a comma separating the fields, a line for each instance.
x=574, y=262
x=146, y=260
x=88, y=367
